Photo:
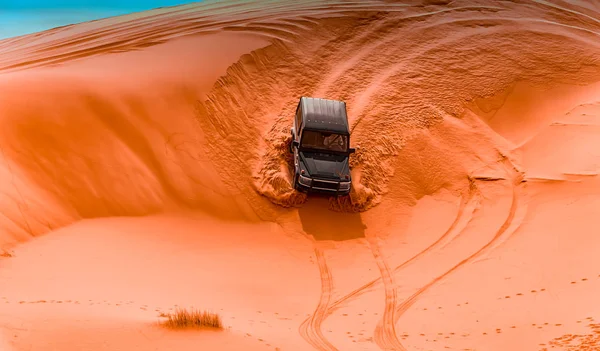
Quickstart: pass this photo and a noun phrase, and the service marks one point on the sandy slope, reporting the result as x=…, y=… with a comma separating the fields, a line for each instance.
x=144, y=168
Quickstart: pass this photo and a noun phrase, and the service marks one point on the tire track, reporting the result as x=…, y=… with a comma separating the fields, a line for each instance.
x=567, y=10
x=366, y=97
x=467, y=204
x=500, y=236
x=310, y=329
x=386, y=337
x=467, y=207
x=362, y=102
x=388, y=38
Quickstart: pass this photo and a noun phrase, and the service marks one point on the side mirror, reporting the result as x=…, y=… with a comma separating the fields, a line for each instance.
x=351, y=150
x=295, y=143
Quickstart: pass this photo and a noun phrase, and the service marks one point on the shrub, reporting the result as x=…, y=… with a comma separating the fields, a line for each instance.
x=184, y=318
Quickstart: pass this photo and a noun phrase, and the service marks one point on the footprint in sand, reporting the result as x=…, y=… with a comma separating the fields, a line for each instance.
x=75, y=302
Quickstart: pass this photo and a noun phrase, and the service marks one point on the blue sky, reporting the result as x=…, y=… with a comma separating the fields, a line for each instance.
x=18, y=17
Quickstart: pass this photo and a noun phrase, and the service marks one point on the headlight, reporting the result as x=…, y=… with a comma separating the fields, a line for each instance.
x=344, y=185
x=304, y=180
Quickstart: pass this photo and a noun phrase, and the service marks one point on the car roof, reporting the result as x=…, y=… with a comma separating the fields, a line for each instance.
x=324, y=114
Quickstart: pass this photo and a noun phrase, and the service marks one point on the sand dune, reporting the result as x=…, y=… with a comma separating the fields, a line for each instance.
x=145, y=168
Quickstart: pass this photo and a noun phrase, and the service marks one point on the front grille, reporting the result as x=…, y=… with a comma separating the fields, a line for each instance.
x=324, y=184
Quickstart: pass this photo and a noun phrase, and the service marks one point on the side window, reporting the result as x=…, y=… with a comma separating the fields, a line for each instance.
x=298, y=119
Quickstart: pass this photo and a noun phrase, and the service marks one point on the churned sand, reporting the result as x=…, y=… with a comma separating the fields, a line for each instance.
x=144, y=169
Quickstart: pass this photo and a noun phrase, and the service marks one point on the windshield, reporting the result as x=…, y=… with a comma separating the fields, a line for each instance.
x=324, y=141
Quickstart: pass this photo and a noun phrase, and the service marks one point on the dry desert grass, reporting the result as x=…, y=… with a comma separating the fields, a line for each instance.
x=192, y=318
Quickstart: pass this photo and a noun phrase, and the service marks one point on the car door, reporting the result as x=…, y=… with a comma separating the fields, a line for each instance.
x=298, y=134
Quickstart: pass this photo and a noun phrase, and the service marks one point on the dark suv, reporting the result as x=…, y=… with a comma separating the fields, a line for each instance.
x=321, y=147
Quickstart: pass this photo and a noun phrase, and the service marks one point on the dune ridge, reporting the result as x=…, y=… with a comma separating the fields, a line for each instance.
x=476, y=123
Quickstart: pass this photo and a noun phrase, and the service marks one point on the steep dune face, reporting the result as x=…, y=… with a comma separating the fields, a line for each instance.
x=397, y=90
x=466, y=113
x=105, y=138
x=401, y=71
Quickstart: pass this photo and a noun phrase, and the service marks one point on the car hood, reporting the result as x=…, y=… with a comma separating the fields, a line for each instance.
x=325, y=166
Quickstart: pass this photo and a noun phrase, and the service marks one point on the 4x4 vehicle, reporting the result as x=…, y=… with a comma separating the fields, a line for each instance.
x=321, y=147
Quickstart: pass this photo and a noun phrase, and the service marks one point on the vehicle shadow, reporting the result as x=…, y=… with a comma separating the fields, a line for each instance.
x=324, y=224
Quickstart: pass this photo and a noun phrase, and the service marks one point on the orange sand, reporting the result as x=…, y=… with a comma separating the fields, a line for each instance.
x=144, y=169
